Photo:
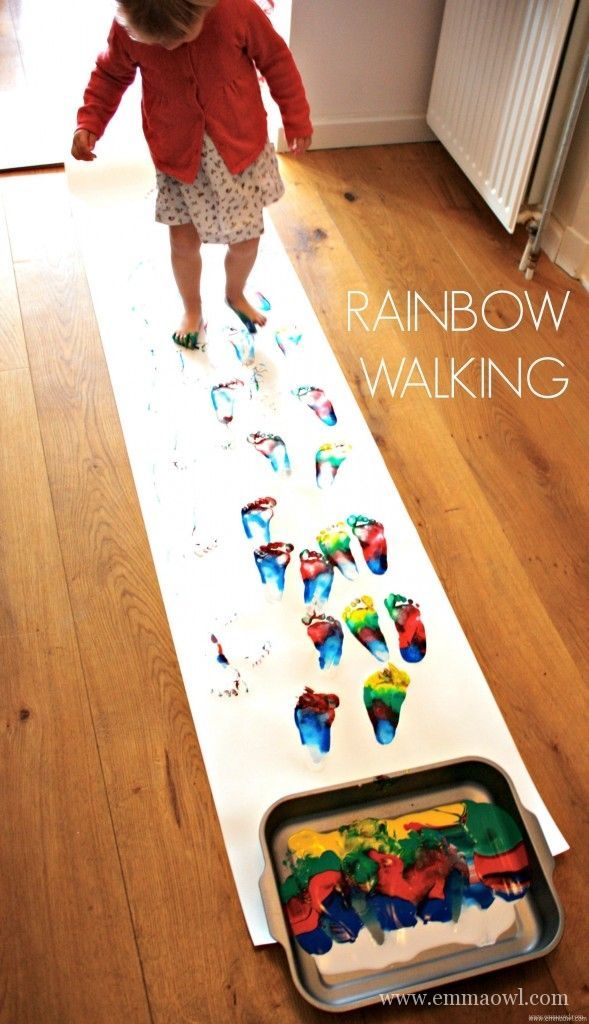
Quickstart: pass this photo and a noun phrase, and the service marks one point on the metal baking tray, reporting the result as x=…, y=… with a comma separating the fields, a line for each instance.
x=359, y=980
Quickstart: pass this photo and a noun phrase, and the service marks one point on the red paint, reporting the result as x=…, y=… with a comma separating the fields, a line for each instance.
x=427, y=877
x=495, y=871
x=320, y=703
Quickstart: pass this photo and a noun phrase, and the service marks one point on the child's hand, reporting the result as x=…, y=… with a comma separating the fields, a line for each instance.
x=83, y=145
x=300, y=146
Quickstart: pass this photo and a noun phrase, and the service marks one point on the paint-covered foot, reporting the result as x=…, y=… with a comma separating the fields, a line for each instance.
x=250, y=317
x=191, y=332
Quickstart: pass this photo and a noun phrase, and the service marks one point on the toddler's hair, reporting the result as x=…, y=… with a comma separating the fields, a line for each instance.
x=161, y=19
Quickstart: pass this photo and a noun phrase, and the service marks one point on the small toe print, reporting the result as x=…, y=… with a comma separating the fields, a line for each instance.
x=407, y=618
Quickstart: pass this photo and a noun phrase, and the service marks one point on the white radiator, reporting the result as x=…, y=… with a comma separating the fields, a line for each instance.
x=495, y=68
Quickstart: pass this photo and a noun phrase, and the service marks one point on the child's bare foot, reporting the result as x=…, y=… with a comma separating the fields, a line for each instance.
x=245, y=311
x=188, y=329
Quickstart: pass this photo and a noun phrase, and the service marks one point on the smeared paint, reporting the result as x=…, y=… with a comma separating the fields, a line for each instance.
x=407, y=618
x=384, y=693
x=272, y=561
x=263, y=303
x=288, y=339
x=317, y=576
x=370, y=535
x=318, y=402
x=390, y=874
x=243, y=344
x=361, y=618
x=232, y=680
x=334, y=542
x=256, y=518
x=274, y=448
x=328, y=460
x=223, y=399
x=314, y=715
x=327, y=636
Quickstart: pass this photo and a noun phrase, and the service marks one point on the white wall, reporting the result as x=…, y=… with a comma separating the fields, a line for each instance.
x=367, y=67
x=568, y=239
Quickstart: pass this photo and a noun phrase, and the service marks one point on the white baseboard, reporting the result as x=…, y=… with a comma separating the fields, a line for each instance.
x=551, y=238
x=573, y=252
x=568, y=249
x=339, y=133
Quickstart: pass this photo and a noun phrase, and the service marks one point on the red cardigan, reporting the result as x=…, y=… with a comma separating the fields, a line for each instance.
x=208, y=85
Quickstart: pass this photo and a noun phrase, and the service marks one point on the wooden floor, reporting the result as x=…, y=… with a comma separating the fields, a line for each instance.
x=118, y=904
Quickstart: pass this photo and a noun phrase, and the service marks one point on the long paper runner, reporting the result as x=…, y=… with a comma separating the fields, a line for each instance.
x=193, y=475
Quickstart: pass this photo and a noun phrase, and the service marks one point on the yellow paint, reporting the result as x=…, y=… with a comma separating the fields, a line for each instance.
x=308, y=843
x=388, y=676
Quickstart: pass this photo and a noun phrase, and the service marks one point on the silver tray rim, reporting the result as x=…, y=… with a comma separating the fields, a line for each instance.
x=275, y=915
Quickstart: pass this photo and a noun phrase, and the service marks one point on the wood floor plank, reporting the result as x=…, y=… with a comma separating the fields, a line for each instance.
x=471, y=537
x=61, y=885
x=12, y=346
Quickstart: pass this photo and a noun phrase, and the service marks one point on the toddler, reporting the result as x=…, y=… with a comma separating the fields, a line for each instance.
x=205, y=125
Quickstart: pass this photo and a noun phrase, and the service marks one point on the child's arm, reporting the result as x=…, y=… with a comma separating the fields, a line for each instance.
x=114, y=72
x=276, y=63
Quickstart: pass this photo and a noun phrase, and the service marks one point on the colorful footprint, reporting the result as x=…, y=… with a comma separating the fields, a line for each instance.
x=361, y=618
x=334, y=542
x=272, y=561
x=288, y=339
x=407, y=618
x=328, y=460
x=317, y=576
x=223, y=399
x=314, y=716
x=384, y=693
x=317, y=401
x=327, y=636
x=274, y=448
x=370, y=535
x=256, y=517
x=243, y=344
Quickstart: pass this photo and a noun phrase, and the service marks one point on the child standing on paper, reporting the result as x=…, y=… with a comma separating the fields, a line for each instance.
x=205, y=125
